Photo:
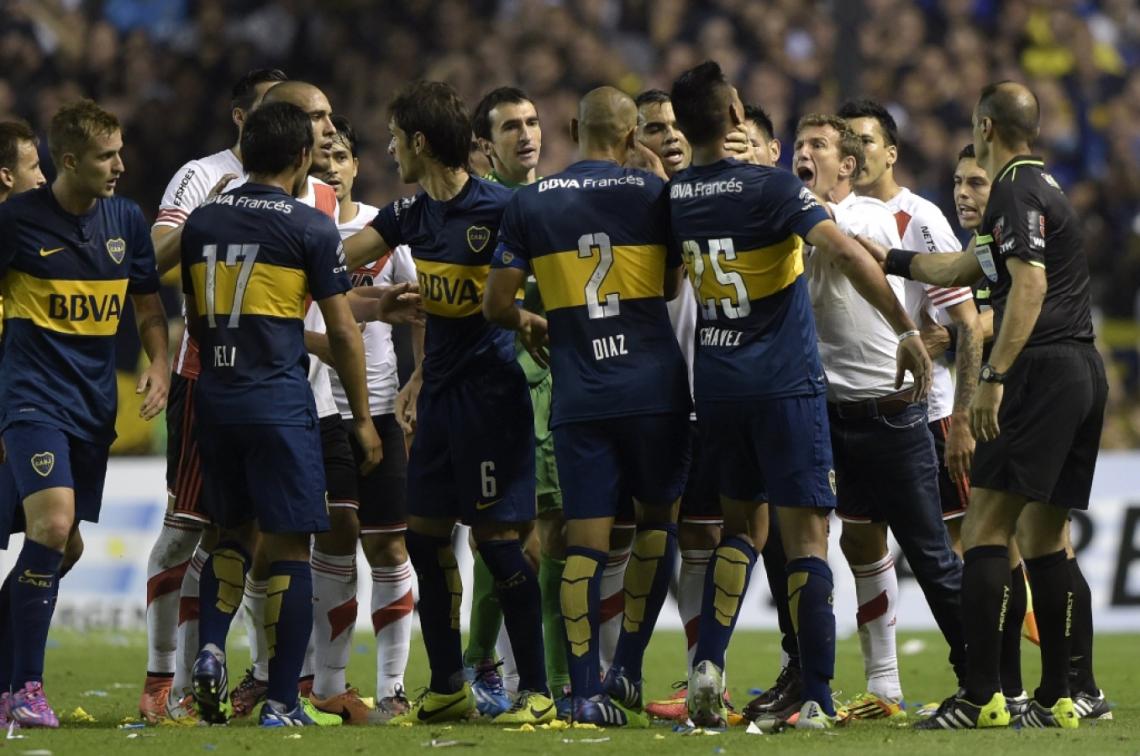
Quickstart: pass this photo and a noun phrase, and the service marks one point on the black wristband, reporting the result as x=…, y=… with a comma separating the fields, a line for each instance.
x=898, y=262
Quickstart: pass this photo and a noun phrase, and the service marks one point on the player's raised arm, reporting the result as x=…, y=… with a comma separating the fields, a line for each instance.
x=363, y=247
x=943, y=269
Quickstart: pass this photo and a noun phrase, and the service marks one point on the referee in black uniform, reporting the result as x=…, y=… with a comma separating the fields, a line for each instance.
x=1037, y=414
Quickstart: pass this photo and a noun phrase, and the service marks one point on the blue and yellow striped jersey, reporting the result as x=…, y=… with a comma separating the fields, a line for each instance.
x=251, y=258
x=741, y=229
x=596, y=237
x=452, y=242
x=64, y=279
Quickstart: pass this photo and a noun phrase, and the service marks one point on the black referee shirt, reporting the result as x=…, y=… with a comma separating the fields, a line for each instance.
x=1029, y=217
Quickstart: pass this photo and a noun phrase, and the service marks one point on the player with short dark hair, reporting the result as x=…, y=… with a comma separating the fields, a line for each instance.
x=70, y=254
x=1036, y=448
x=473, y=453
x=762, y=134
x=176, y=558
x=596, y=238
x=509, y=131
x=382, y=511
x=19, y=159
x=250, y=259
x=759, y=383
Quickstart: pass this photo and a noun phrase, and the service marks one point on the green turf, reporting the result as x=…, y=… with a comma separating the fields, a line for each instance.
x=103, y=674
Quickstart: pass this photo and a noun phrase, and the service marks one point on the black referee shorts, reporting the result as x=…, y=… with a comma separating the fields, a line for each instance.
x=1050, y=418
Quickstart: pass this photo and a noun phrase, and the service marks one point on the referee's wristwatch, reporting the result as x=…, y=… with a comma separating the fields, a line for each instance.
x=989, y=375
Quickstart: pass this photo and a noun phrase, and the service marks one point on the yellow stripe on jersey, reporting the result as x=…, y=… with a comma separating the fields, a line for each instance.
x=632, y=272
x=451, y=290
x=719, y=274
x=75, y=308
x=271, y=290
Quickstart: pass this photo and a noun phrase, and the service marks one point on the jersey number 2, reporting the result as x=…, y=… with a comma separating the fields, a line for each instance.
x=596, y=308
x=246, y=254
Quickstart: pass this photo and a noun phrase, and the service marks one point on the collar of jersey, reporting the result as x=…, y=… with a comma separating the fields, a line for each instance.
x=1019, y=160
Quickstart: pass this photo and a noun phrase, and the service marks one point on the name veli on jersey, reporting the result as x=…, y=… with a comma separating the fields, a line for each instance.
x=720, y=337
x=225, y=356
x=252, y=203
x=590, y=183
x=697, y=189
x=609, y=346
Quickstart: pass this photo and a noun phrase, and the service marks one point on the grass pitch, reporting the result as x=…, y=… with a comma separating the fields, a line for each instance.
x=103, y=674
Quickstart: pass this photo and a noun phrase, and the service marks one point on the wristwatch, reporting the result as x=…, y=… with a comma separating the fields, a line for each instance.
x=989, y=375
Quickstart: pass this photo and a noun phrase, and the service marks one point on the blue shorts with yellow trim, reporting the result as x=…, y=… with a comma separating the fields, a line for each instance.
x=775, y=450
x=270, y=473
x=472, y=458
x=603, y=463
x=42, y=456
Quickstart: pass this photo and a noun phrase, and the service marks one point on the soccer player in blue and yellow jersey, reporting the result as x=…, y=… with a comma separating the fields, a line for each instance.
x=473, y=453
x=596, y=238
x=250, y=259
x=758, y=381
x=70, y=255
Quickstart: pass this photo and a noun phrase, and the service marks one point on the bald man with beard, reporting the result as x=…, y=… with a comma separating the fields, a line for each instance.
x=596, y=239
x=1037, y=438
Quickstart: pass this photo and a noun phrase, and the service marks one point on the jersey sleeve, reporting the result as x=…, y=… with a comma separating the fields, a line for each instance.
x=7, y=240
x=388, y=221
x=937, y=236
x=185, y=192
x=1018, y=223
x=324, y=260
x=795, y=208
x=664, y=222
x=511, y=251
x=143, y=276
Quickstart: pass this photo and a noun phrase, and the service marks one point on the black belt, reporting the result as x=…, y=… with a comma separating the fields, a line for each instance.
x=865, y=409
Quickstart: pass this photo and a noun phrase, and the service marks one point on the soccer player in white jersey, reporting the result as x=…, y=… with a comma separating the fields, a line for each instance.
x=922, y=226
x=886, y=474
x=175, y=564
x=382, y=511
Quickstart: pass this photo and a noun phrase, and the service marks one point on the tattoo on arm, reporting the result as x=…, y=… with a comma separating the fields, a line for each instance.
x=968, y=361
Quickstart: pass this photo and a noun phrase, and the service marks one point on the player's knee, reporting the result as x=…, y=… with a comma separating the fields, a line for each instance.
x=698, y=536
x=495, y=531
x=73, y=551
x=384, y=549
x=1041, y=530
x=51, y=528
x=285, y=547
x=863, y=544
x=552, y=537
x=343, y=532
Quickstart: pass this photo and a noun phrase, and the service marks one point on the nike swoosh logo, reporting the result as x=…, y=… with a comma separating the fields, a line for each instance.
x=480, y=506
x=540, y=713
x=37, y=576
x=46, y=252
x=426, y=714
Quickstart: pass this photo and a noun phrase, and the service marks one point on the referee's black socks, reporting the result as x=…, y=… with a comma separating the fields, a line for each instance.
x=1081, y=678
x=1051, y=580
x=985, y=589
x=1011, y=683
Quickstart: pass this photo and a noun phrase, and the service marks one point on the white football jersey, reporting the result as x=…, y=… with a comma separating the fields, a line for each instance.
x=683, y=316
x=856, y=343
x=923, y=228
x=379, y=353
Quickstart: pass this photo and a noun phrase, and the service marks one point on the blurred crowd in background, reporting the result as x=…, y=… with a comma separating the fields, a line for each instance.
x=165, y=67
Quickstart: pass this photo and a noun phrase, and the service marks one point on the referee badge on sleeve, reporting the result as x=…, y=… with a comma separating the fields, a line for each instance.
x=984, y=253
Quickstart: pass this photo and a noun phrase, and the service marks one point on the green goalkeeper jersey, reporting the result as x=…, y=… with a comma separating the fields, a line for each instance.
x=535, y=373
